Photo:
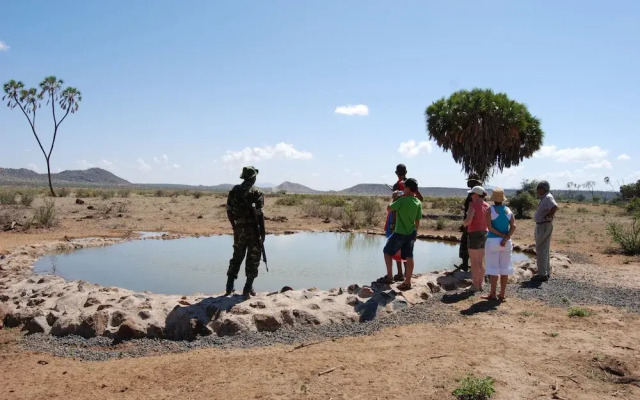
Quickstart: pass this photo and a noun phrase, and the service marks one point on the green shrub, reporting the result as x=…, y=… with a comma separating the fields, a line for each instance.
x=447, y=204
x=197, y=194
x=289, y=200
x=86, y=193
x=370, y=208
x=46, y=215
x=582, y=210
x=160, y=193
x=633, y=207
x=578, y=312
x=440, y=224
x=333, y=201
x=596, y=199
x=107, y=194
x=314, y=209
x=27, y=197
x=7, y=196
x=472, y=388
x=522, y=203
x=124, y=192
x=627, y=239
x=349, y=216
x=63, y=192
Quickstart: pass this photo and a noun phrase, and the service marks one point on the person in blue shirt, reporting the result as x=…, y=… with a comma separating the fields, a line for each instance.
x=498, y=247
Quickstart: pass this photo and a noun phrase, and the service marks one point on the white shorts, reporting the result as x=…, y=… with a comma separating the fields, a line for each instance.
x=498, y=258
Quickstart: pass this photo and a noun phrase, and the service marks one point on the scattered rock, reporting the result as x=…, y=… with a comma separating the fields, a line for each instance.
x=285, y=289
x=129, y=330
x=79, y=201
x=257, y=304
x=37, y=325
x=91, y=208
x=266, y=323
x=353, y=288
x=365, y=292
x=91, y=301
x=226, y=327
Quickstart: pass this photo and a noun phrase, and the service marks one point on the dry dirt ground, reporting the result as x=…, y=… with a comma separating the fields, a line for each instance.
x=532, y=350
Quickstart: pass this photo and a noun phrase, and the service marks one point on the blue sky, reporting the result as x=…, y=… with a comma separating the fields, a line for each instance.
x=327, y=94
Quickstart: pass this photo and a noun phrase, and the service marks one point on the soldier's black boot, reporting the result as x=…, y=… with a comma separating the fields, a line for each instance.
x=230, y=288
x=248, y=288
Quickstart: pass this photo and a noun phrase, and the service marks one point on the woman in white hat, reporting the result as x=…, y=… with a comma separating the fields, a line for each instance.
x=502, y=225
x=476, y=223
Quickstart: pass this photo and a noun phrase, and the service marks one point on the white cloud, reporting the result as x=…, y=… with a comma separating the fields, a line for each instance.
x=577, y=154
x=84, y=164
x=33, y=167
x=163, y=159
x=173, y=166
x=360, y=110
x=281, y=151
x=624, y=157
x=412, y=148
x=3, y=46
x=142, y=165
x=558, y=175
x=604, y=164
x=635, y=176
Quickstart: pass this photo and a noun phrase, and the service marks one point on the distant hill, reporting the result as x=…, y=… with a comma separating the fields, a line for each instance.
x=97, y=177
x=91, y=176
x=290, y=187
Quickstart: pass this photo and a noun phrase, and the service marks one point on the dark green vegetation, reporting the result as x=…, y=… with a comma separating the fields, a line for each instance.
x=485, y=131
x=30, y=100
x=472, y=388
x=525, y=199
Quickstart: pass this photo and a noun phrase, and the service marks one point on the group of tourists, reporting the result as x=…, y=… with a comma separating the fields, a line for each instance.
x=485, y=246
x=487, y=232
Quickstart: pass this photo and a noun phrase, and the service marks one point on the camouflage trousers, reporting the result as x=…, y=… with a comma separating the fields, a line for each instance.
x=246, y=242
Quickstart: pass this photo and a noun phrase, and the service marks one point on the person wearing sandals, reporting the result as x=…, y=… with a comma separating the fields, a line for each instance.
x=408, y=210
x=502, y=224
x=476, y=223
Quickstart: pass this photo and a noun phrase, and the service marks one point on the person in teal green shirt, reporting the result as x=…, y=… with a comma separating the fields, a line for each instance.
x=408, y=215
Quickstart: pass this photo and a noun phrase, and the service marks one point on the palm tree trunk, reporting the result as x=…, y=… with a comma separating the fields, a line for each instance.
x=53, y=194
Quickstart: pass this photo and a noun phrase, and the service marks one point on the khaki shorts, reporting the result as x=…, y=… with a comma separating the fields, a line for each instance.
x=477, y=240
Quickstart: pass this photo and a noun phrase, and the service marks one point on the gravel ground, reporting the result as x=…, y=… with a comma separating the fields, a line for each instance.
x=564, y=292
x=559, y=292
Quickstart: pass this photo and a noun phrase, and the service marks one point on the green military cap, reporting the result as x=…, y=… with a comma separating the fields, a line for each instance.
x=249, y=172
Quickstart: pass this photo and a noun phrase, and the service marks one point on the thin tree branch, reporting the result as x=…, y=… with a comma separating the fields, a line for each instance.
x=32, y=124
x=55, y=130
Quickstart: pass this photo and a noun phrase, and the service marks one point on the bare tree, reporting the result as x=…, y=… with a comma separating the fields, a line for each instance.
x=30, y=100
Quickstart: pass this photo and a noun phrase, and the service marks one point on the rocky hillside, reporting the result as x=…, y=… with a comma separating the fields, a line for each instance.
x=92, y=176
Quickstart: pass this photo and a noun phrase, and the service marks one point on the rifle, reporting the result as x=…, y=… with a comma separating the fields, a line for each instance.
x=259, y=232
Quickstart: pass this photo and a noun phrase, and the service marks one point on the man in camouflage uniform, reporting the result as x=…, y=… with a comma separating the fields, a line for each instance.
x=247, y=235
x=463, y=253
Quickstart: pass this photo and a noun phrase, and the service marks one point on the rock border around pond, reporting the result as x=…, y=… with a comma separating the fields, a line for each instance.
x=51, y=305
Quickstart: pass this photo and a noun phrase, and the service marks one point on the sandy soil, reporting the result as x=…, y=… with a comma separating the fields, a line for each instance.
x=530, y=349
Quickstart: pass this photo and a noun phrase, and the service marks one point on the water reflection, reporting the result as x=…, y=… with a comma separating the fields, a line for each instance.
x=359, y=241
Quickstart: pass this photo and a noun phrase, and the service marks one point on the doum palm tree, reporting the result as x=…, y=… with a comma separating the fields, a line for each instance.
x=485, y=131
x=30, y=100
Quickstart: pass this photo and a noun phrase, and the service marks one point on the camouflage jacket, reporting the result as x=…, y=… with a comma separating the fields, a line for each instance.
x=240, y=200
